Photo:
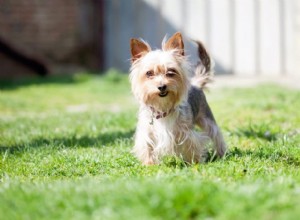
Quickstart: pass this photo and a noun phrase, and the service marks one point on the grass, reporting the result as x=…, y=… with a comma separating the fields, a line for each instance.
x=65, y=154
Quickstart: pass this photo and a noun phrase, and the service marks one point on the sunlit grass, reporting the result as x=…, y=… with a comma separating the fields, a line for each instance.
x=65, y=154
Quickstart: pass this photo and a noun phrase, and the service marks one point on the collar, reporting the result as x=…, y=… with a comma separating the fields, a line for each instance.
x=158, y=114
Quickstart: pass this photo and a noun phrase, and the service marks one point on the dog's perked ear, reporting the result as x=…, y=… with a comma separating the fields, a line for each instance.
x=138, y=49
x=175, y=43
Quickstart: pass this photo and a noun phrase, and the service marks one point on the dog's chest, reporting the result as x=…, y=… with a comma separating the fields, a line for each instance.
x=168, y=133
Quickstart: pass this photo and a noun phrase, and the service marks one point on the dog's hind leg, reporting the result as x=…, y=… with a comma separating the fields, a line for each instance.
x=205, y=120
x=214, y=132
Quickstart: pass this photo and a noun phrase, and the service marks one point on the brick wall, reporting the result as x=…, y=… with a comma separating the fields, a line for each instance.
x=60, y=33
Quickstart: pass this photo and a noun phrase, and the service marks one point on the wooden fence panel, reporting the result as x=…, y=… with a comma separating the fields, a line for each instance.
x=245, y=37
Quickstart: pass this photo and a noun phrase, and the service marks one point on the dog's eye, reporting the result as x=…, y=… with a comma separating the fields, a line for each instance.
x=149, y=74
x=171, y=72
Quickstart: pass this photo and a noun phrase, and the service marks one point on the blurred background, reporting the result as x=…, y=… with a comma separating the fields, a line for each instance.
x=244, y=37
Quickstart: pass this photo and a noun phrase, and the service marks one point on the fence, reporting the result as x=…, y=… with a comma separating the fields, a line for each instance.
x=246, y=37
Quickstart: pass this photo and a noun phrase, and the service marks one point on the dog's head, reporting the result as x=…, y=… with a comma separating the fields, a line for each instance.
x=159, y=78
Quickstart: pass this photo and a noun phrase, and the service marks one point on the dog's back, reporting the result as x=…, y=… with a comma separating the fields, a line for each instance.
x=198, y=103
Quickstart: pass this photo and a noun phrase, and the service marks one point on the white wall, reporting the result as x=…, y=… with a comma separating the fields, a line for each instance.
x=245, y=37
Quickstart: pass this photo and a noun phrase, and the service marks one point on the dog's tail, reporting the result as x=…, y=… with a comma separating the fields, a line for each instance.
x=204, y=71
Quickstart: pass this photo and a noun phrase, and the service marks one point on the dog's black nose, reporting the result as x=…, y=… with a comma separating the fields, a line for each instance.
x=162, y=88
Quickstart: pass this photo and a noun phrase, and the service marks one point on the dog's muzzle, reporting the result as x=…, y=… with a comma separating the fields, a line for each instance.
x=163, y=91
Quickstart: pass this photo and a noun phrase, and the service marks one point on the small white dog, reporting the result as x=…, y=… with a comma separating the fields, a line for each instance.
x=172, y=103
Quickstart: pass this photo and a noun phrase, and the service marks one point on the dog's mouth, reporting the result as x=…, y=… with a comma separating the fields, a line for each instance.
x=163, y=94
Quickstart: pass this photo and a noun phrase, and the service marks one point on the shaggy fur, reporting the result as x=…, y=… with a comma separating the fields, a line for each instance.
x=172, y=102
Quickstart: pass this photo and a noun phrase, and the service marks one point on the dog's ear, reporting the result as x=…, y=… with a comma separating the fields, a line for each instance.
x=138, y=49
x=175, y=43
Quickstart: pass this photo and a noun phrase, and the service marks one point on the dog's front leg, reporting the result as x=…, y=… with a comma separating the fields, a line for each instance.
x=143, y=149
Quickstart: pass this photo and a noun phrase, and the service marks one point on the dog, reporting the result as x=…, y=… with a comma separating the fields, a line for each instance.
x=172, y=102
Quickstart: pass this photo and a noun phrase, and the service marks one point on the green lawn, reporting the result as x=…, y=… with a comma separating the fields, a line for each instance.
x=65, y=154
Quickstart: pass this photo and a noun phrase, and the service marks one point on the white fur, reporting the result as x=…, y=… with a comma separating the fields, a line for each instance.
x=172, y=135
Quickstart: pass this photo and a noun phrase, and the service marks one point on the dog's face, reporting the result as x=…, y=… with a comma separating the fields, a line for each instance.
x=159, y=78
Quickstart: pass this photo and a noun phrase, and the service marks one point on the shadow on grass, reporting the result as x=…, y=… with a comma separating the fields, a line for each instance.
x=111, y=76
x=11, y=84
x=74, y=141
x=178, y=162
x=257, y=131
x=264, y=154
